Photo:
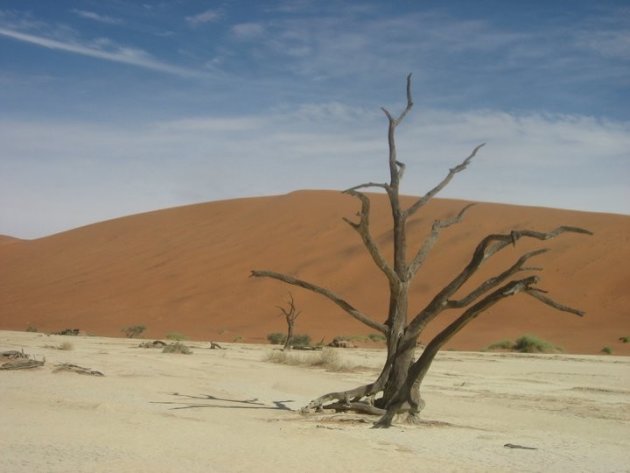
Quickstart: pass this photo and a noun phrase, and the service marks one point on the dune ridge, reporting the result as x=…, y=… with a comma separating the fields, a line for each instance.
x=186, y=269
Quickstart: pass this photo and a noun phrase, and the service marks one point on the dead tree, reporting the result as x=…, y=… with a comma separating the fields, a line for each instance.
x=397, y=388
x=290, y=315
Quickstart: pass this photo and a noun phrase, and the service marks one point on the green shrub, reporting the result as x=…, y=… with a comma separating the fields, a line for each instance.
x=176, y=336
x=533, y=344
x=500, y=345
x=177, y=347
x=133, y=331
x=277, y=338
x=377, y=337
x=624, y=339
x=607, y=350
x=302, y=340
x=30, y=328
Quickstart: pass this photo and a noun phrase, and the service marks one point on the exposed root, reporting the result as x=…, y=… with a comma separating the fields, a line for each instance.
x=344, y=398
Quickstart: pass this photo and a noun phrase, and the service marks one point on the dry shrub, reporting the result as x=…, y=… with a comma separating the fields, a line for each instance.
x=177, y=347
x=327, y=358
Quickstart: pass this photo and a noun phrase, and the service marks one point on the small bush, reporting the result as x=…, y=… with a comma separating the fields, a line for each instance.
x=30, y=328
x=176, y=336
x=532, y=344
x=500, y=345
x=302, y=340
x=328, y=359
x=68, y=331
x=177, y=347
x=133, y=331
x=607, y=350
x=377, y=337
x=276, y=338
x=624, y=339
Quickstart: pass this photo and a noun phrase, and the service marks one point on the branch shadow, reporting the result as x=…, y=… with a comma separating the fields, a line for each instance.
x=240, y=404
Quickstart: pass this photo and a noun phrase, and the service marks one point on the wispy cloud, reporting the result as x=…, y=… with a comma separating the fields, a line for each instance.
x=553, y=161
x=126, y=55
x=207, y=16
x=97, y=17
x=247, y=31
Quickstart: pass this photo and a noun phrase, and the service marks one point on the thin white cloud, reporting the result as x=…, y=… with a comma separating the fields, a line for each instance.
x=125, y=55
x=97, y=17
x=247, y=31
x=207, y=16
x=70, y=174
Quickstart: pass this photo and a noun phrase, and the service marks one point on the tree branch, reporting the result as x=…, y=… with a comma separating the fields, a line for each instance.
x=429, y=195
x=363, y=229
x=357, y=314
x=382, y=185
x=428, y=244
x=495, y=281
x=538, y=294
x=396, y=168
x=495, y=243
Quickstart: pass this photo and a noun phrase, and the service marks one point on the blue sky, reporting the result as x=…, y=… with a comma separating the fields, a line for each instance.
x=109, y=108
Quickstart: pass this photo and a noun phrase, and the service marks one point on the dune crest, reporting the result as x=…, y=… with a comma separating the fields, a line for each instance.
x=186, y=269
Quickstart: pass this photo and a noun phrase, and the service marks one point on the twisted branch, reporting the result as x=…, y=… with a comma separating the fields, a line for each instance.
x=357, y=314
x=488, y=246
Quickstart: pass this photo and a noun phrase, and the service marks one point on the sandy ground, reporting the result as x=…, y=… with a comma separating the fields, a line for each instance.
x=158, y=412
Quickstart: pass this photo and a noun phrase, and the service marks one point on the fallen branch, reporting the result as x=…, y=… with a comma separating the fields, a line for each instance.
x=76, y=369
x=21, y=363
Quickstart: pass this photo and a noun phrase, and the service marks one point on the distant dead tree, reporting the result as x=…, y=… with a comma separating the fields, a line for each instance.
x=396, y=391
x=290, y=314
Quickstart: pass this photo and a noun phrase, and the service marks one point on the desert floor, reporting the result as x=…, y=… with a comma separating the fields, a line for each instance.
x=186, y=413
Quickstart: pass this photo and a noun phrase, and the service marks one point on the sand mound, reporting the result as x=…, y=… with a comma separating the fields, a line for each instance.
x=187, y=269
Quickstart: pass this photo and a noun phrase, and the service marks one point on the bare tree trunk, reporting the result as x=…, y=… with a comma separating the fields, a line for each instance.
x=289, y=339
x=401, y=377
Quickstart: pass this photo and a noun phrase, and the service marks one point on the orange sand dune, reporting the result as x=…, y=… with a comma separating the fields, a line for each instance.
x=187, y=269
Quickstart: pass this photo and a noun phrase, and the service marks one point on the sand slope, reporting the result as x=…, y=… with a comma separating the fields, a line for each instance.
x=186, y=269
x=155, y=412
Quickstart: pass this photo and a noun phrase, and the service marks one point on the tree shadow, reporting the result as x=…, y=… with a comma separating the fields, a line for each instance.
x=240, y=404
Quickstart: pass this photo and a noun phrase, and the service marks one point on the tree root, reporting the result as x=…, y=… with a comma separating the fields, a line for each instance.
x=343, y=398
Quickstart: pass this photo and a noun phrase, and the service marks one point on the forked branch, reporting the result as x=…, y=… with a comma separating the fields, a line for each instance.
x=357, y=314
x=429, y=195
x=495, y=281
x=428, y=244
x=363, y=229
x=488, y=246
x=396, y=168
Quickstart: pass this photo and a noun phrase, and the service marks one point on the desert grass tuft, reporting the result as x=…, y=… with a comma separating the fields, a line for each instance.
x=524, y=344
x=500, y=345
x=176, y=336
x=533, y=344
x=177, y=347
x=328, y=358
